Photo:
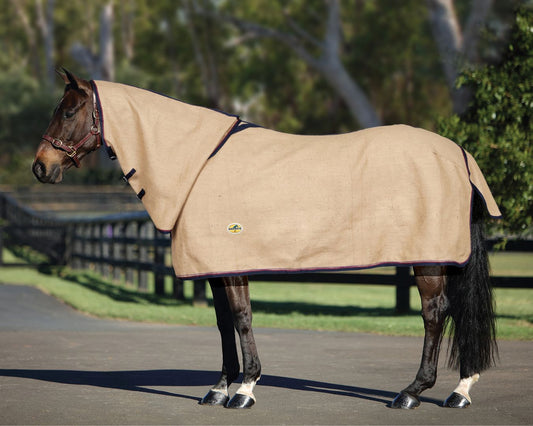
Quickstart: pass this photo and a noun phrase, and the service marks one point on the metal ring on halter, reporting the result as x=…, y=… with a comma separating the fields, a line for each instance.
x=72, y=150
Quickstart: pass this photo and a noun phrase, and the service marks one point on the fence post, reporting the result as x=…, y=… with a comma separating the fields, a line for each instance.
x=68, y=244
x=177, y=289
x=143, y=234
x=105, y=235
x=403, y=282
x=77, y=247
x=159, y=264
x=199, y=293
x=97, y=248
x=3, y=215
x=131, y=233
x=87, y=249
x=1, y=244
x=117, y=250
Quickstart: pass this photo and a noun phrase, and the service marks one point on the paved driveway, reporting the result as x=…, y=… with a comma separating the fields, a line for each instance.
x=60, y=367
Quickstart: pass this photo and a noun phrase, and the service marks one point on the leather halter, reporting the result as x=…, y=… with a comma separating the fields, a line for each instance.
x=72, y=150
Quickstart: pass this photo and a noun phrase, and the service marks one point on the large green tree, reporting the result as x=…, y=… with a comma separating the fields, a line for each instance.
x=384, y=46
x=498, y=126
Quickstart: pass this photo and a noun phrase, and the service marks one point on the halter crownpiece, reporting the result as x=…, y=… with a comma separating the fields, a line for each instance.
x=72, y=150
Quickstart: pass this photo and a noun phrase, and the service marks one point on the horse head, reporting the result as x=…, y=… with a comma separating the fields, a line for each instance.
x=73, y=132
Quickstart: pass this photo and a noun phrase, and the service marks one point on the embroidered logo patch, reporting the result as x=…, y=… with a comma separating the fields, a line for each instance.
x=234, y=228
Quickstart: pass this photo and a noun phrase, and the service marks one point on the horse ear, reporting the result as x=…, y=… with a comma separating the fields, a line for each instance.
x=63, y=76
x=69, y=78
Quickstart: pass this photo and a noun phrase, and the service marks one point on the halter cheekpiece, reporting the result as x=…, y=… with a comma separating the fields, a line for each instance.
x=72, y=150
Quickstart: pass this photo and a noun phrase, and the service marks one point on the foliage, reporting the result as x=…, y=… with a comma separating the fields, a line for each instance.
x=393, y=53
x=498, y=126
x=24, y=111
x=387, y=47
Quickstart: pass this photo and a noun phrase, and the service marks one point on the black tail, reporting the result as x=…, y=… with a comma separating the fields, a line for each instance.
x=471, y=305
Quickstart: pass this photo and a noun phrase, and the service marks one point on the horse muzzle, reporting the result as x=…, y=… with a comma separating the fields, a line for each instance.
x=50, y=174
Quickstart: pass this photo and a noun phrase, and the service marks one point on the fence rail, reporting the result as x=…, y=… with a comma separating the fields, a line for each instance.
x=126, y=247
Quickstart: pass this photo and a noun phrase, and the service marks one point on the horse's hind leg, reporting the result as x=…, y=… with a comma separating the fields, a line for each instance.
x=239, y=302
x=218, y=395
x=431, y=283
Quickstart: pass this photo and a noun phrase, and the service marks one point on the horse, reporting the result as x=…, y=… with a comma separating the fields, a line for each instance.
x=453, y=294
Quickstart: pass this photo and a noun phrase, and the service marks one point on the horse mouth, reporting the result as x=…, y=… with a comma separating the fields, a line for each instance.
x=54, y=174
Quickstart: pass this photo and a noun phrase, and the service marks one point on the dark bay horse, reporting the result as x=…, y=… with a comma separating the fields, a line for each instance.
x=458, y=295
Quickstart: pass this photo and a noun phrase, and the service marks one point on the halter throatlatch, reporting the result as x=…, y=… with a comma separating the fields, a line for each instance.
x=72, y=150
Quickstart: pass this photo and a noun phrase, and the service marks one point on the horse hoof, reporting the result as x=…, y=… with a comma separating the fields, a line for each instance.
x=405, y=401
x=456, y=400
x=214, y=398
x=240, y=401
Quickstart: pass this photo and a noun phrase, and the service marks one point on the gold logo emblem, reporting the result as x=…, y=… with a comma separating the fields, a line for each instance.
x=234, y=228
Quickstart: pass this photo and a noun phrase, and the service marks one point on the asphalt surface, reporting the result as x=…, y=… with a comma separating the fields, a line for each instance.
x=60, y=367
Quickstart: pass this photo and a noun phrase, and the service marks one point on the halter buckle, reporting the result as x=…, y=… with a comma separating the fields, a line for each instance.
x=72, y=153
x=72, y=150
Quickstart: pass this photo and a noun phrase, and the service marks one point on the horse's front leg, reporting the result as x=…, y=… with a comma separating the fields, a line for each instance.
x=431, y=283
x=238, y=296
x=218, y=394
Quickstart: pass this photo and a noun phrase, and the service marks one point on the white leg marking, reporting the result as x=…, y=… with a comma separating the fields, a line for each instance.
x=247, y=389
x=465, y=385
x=223, y=390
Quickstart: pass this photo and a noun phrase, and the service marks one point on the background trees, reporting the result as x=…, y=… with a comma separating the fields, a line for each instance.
x=303, y=66
x=497, y=128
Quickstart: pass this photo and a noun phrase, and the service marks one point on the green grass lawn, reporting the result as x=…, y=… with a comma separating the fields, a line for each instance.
x=361, y=308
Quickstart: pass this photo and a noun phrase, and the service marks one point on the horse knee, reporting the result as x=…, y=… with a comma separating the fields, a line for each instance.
x=242, y=320
x=435, y=309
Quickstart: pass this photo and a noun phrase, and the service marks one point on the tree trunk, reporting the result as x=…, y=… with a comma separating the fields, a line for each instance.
x=328, y=63
x=107, y=57
x=101, y=66
x=127, y=28
x=457, y=48
x=351, y=93
x=45, y=22
x=204, y=56
x=31, y=37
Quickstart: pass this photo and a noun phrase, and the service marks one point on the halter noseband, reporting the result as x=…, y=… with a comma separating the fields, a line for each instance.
x=72, y=150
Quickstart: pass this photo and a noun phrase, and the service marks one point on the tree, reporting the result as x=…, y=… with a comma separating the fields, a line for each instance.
x=99, y=66
x=457, y=46
x=321, y=53
x=45, y=25
x=292, y=66
x=45, y=20
x=497, y=128
x=322, y=41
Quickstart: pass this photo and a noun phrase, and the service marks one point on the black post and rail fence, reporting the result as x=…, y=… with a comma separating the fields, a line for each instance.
x=126, y=247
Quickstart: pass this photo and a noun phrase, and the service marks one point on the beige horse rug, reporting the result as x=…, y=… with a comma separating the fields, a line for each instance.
x=241, y=199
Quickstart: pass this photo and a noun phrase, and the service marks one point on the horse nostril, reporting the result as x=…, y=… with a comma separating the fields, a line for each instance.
x=39, y=170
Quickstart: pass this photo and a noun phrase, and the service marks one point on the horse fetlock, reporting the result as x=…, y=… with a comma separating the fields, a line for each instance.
x=247, y=389
x=465, y=385
x=222, y=389
x=460, y=397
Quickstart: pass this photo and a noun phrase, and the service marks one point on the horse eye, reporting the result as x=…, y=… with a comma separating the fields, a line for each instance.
x=69, y=113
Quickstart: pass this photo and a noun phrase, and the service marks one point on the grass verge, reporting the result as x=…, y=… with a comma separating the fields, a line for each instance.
x=351, y=308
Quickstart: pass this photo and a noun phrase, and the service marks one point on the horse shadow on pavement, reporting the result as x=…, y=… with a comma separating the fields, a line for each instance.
x=144, y=380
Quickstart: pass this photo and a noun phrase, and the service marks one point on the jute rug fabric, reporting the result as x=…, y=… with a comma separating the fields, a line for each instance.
x=274, y=202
